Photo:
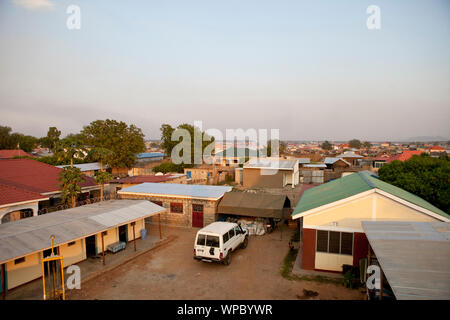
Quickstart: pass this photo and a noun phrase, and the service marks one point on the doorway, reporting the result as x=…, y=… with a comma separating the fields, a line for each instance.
x=197, y=215
x=91, y=248
x=123, y=233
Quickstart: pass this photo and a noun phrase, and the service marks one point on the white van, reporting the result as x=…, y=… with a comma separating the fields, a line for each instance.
x=216, y=241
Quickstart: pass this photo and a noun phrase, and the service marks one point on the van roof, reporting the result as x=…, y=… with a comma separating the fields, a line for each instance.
x=218, y=227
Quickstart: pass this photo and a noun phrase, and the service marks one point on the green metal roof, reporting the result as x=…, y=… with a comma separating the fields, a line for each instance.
x=354, y=184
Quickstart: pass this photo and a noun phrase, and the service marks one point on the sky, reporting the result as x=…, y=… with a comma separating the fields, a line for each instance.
x=311, y=69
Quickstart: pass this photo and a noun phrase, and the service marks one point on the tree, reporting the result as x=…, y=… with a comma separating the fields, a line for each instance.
x=71, y=177
x=326, y=145
x=167, y=144
x=101, y=155
x=68, y=149
x=51, y=139
x=424, y=176
x=123, y=140
x=367, y=144
x=281, y=148
x=27, y=143
x=354, y=143
x=8, y=140
x=167, y=167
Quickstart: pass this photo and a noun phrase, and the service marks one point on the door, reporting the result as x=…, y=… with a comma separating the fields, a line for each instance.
x=123, y=233
x=90, y=246
x=197, y=215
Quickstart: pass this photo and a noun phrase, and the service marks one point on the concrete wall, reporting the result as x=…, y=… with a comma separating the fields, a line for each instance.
x=181, y=219
x=32, y=205
x=24, y=272
x=254, y=179
x=331, y=261
x=74, y=253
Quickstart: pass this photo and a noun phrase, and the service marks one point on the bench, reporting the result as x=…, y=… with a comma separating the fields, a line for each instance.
x=116, y=246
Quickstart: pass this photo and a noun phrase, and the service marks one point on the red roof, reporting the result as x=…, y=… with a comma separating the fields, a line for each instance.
x=145, y=178
x=438, y=148
x=33, y=175
x=8, y=154
x=405, y=155
x=10, y=194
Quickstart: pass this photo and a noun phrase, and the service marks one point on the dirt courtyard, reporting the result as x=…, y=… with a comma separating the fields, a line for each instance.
x=170, y=272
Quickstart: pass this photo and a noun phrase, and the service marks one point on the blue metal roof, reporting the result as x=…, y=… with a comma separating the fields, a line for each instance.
x=173, y=189
x=150, y=155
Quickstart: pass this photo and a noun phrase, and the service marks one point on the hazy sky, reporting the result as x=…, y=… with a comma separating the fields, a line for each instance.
x=310, y=68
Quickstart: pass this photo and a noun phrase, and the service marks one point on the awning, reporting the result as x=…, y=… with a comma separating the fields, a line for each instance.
x=414, y=256
x=248, y=204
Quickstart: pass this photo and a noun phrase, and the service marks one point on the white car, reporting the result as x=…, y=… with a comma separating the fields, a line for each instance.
x=218, y=240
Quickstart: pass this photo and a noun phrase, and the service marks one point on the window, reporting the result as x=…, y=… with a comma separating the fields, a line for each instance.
x=322, y=241
x=212, y=241
x=334, y=242
x=231, y=234
x=201, y=239
x=176, y=207
x=71, y=243
x=237, y=230
x=226, y=237
x=159, y=203
x=20, y=260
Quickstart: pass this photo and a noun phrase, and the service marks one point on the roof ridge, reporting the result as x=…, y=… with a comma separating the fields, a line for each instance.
x=369, y=183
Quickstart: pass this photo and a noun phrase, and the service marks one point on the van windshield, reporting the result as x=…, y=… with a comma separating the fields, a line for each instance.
x=212, y=241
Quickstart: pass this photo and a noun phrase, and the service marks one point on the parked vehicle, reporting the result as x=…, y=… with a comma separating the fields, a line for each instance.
x=217, y=241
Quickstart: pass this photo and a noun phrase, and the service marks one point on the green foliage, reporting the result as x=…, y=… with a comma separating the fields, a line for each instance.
x=367, y=144
x=100, y=154
x=70, y=178
x=123, y=140
x=167, y=167
x=51, y=139
x=354, y=143
x=102, y=177
x=281, y=146
x=326, y=145
x=70, y=148
x=167, y=144
x=424, y=176
x=11, y=141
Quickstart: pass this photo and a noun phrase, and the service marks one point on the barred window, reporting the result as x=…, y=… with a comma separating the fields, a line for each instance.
x=334, y=242
x=176, y=207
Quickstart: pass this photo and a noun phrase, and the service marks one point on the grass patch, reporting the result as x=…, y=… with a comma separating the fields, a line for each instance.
x=288, y=263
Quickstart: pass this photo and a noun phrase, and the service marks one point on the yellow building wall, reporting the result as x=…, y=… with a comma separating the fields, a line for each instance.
x=73, y=254
x=24, y=272
x=111, y=237
x=140, y=224
x=350, y=214
x=332, y=261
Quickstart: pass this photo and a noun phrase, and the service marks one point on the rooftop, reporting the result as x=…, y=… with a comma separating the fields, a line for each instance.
x=354, y=184
x=8, y=154
x=271, y=163
x=33, y=175
x=29, y=235
x=237, y=152
x=85, y=166
x=414, y=256
x=349, y=154
x=10, y=195
x=146, y=178
x=145, y=155
x=181, y=190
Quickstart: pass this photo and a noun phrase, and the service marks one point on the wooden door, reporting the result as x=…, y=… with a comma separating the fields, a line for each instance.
x=197, y=215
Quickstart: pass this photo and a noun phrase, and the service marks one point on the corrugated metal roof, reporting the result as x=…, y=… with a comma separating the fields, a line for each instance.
x=331, y=160
x=271, y=163
x=414, y=256
x=354, y=184
x=85, y=166
x=29, y=235
x=174, y=189
x=150, y=155
x=318, y=165
x=349, y=154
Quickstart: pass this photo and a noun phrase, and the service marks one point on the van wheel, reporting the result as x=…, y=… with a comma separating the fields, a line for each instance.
x=244, y=243
x=227, y=260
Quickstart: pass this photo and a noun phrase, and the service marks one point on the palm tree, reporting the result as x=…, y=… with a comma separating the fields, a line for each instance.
x=70, y=148
x=101, y=154
x=71, y=177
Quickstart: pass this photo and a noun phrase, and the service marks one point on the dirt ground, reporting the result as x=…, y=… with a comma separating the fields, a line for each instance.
x=170, y=272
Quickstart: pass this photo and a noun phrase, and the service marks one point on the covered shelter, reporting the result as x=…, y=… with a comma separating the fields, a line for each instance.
x=414, y=257
x=79, y=233
x=261, y=205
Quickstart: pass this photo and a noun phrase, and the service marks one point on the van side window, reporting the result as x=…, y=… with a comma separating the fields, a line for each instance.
x=226, y=237
x=231, y=233
x=236, y=230
x=201, y=240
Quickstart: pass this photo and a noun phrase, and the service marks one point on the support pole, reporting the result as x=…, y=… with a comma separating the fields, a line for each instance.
x=103, y=247
x=381, y=284
x=134, y=235
x=159, y=223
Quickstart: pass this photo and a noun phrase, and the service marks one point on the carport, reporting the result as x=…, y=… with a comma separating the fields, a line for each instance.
x=257, y=205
